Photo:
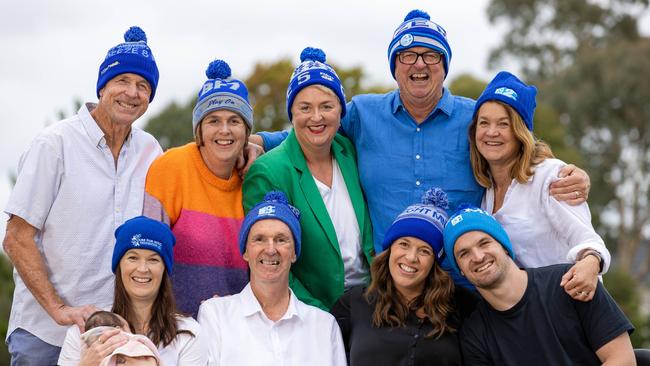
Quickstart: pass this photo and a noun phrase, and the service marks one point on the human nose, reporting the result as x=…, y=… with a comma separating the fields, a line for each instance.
x=269, y=246
x=411, y=255
x=142, y=266
x=476, y=255
x=317, y=115
x=131, y=90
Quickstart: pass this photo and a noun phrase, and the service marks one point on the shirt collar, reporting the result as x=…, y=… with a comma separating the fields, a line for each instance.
x=251, y=306
x=92, y=128
x=445, y=105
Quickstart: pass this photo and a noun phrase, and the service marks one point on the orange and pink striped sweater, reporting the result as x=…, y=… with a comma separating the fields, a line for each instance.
x=205, y=213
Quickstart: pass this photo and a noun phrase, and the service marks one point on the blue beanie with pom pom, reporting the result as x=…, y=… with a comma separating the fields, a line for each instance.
x=132, y=56
x=313, y=70
x=220, y=91
x=418, y=30
x=275, y=205
x=424, y=221
x=471, y=218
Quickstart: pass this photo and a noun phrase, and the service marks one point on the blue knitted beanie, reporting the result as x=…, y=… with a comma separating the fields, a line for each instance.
x=508, y=89
x=424, y=221
x=418, y=30
x=132, y=56
x=220, y=91
x=313, y=70
x=275, y=205
x=144, y=233
x=471, y=218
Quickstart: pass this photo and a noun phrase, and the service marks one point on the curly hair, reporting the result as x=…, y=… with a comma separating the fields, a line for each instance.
x=390, y=308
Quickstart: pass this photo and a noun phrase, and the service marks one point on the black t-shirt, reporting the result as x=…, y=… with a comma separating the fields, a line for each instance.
x=546, y=327
x=366, y=344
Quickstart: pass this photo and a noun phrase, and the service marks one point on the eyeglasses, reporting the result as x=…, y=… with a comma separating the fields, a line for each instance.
x=410, y=57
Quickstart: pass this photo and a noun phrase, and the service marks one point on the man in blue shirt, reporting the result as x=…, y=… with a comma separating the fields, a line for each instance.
x=416, y=136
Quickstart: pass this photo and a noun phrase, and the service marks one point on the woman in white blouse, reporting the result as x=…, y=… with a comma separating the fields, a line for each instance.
x=142, y=263
x=517, y=170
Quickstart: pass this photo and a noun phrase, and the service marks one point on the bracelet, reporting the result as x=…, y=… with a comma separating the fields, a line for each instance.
x=595, y=254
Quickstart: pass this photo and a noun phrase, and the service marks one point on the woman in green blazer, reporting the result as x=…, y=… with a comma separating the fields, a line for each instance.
x=316, y=168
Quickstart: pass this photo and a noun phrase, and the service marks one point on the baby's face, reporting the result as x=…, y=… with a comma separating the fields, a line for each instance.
x=136, y=361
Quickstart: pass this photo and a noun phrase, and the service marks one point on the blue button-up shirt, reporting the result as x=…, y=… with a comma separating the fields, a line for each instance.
x=400, y=159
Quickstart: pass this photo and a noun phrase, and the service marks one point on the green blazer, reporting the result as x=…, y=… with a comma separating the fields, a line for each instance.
x=317, y=277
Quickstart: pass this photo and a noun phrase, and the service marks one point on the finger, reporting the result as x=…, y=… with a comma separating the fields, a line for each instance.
x=241, y=162
x=566, y=277
x=566, y=170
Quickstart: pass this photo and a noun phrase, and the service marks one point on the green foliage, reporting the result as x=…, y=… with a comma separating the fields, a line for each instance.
x=6, y=293
x=267, y=87
x=468, y=86
x=173, y=125
x=624, y=289
x=604, y=99
x=546, y=34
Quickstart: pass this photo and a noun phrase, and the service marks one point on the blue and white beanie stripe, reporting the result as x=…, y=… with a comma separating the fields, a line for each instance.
x=418, y=30
x=220, y=91
x=313, y=70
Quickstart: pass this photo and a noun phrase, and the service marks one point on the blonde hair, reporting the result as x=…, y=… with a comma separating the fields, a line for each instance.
x=532, y=151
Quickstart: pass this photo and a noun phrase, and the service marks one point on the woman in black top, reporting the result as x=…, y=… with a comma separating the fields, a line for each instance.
x=411, y=312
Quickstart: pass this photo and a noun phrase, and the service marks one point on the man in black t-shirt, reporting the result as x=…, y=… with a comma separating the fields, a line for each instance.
x=525, y=317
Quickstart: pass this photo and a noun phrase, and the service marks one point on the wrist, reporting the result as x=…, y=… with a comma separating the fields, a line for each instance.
x=594, y=255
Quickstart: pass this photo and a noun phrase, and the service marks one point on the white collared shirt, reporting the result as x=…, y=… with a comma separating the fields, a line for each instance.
x=341, y=211
x=239, y=333
x=542, y=230
x=69, y=188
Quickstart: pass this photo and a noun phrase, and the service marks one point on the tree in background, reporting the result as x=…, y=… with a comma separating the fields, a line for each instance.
x=544, y=36
x=592, y=65
x=267, y=87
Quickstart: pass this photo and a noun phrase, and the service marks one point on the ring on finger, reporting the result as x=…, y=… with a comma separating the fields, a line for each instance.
x=576, y=194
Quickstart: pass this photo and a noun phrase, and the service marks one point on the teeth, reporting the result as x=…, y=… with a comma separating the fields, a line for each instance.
x=491, y=143
x=419, y=76
x=125, y=105
x=406, y=268
x=318, y=128
x=484, y=267
x=225, y=142
x=269, y=262
x=141, y=279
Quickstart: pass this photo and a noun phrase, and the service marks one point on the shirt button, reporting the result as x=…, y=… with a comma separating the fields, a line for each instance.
x=417, y=156
x=418, y=129
x=417, y=182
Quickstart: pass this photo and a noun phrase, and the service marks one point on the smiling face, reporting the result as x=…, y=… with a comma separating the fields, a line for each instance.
x=410, y=262
x=419, y=81
x=482, y=259
x=270, y=251
x=124, y=98
x=141, y=272
x=495, y=138
x=316, y=117
x=223, y=137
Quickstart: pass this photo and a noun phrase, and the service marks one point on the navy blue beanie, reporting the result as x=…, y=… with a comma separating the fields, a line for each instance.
x=424, y=221
x=275, y=205
x=222, y=92
x=471, y=218
x=144, y=233
x=132, y=56
x=418, y=30
x=313, y=70
x=508, y=89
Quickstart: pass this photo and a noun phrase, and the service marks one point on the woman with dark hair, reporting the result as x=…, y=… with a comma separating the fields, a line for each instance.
x=516, y=169
x=411, y=312
x=142, y=263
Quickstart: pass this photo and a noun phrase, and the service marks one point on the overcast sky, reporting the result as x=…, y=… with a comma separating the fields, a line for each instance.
x=50, y=51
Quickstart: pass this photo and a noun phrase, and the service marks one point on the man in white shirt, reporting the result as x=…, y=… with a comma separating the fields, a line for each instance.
x=79, y=180
x=266, y=324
